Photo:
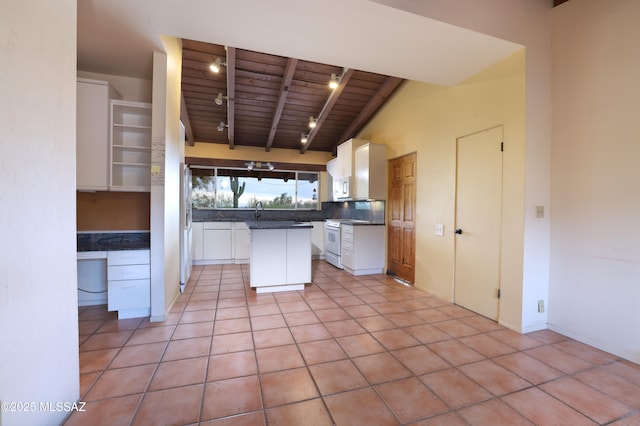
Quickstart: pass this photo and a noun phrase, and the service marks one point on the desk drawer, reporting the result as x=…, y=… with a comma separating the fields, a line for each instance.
x=128, y=272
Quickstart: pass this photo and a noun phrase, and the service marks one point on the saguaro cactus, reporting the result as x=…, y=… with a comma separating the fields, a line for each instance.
x=237, y=190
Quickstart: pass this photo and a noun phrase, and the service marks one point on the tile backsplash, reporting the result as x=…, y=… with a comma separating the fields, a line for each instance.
x=373, y=211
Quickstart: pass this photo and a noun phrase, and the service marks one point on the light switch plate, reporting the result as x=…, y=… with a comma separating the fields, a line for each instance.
x=439, y=229
x=539, y=212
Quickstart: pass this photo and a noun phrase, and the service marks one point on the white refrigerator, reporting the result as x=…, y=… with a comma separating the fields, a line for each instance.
x=185, y=227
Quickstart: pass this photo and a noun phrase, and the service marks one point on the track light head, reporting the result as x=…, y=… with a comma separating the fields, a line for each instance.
x=312, y=122
x=219, y=99
x=215, y=66
x=333, y=82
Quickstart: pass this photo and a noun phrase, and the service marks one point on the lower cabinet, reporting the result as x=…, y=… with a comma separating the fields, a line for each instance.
x=129, y=283
x=280, y=259
x=217, y=241
x=362, y=249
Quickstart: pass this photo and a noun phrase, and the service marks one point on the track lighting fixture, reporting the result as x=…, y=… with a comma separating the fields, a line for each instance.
x=333, y=82
x=219, y=99
x=221, y=126
x=259, y=165
x=312, y=122
x=215, y=66
x=304, y=138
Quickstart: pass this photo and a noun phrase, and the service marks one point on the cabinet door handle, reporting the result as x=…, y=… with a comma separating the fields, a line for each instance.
x=459, y=231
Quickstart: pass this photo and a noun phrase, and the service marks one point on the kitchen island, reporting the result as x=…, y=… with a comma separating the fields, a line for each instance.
x=280, y=258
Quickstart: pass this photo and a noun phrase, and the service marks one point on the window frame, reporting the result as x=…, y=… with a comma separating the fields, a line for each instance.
x=240, y=171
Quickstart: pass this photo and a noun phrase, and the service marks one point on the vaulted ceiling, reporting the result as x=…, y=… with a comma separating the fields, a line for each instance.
x=268, y=100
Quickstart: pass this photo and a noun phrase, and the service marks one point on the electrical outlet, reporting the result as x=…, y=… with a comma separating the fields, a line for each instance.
x=439, y=230
x=540, y=306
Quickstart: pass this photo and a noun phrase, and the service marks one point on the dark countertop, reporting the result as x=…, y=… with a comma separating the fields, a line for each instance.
x=114, y=240
x=277, y=224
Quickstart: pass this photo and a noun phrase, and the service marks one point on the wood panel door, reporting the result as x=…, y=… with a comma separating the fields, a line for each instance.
x=478, y=222
x=401, y=207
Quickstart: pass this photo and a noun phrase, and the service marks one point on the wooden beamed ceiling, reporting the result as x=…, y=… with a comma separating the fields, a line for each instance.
x=269, y=99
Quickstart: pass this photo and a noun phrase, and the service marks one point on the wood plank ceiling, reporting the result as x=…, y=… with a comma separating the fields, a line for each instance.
x=267, y=100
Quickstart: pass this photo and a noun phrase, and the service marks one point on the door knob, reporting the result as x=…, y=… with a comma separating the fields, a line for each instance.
x=458, y=231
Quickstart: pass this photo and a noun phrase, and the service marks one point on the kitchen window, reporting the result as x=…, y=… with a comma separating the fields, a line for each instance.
x=230, y=188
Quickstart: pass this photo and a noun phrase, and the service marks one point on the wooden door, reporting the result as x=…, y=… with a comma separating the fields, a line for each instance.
x=478, y=222
x=401, y=207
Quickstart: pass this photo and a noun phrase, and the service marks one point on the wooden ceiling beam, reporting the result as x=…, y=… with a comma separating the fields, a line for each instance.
x=284, y=91
x=387, y=88
x=231, y=94
x=184, y=117
x=328, y=106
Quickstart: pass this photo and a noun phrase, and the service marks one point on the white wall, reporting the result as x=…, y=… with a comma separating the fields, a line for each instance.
x=595, y=228
x=165, y=179
x=38, y=300
x=130, y=88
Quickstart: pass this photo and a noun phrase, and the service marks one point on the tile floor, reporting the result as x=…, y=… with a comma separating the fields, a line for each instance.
x=347, y=351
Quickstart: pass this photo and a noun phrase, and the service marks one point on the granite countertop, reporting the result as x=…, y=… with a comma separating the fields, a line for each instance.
x=277, y=224
x=113, y=240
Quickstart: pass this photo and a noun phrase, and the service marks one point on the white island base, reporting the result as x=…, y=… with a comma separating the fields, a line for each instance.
x=280, y=256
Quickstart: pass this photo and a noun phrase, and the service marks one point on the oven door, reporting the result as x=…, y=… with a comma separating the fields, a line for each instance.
x=332, y=240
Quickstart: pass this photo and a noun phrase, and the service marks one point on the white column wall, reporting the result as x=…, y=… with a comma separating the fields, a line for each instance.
x=595, y=246
x=38, y=296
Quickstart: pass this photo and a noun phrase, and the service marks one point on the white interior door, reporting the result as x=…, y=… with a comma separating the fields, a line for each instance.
x=478, y=222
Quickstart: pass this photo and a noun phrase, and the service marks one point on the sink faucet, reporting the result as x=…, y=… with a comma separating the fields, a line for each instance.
x=259, y=209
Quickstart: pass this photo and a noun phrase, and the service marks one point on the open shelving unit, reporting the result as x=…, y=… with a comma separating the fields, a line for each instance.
x=130, y=146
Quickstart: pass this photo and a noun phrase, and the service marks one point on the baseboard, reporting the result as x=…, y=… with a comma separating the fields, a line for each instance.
x=633, y=357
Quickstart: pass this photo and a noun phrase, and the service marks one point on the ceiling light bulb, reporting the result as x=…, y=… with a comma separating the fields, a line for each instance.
x=221, y=126
x=303, y=139
x=312, y=122
x=215, y=66
x=219, y=99
x=333, y=83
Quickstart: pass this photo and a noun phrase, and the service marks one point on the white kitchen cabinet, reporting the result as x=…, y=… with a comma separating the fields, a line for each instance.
x=280, y=259
x=241, y=242
x=370, y=172
x=92, y=133
x=343, y=181
x=268, y=266
x=130, y=146
x=317, y=240
x=362, y=249
x=129, y=283
x=217, y=241
x=197, y=241
x=346, y=158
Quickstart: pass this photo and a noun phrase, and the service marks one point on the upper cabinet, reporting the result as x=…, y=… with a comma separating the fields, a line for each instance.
x=130, y=146
x=92, y=133
x=370, y=162
x=359, y=171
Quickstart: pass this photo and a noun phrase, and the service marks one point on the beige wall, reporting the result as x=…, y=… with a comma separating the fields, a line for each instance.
x=38, y=283
x=595, y=249
x=427, y=120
